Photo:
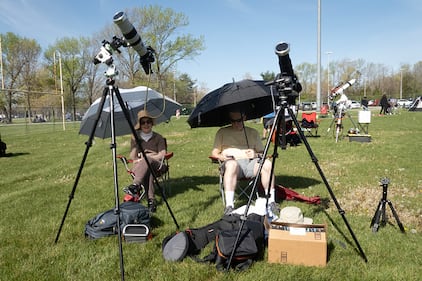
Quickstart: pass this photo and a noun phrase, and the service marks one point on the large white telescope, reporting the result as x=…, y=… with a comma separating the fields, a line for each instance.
x=339, y=89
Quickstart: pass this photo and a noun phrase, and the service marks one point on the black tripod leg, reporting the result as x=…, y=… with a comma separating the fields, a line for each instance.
x=396, y=216
x=330, y=191
x=351, y=120
x=331, y=125
x=375, y=222
x=138, y=141
x=88, y=145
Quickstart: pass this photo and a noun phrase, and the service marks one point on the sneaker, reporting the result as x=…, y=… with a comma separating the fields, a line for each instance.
x=151, y=205
x=228, y=210
x=132, y=189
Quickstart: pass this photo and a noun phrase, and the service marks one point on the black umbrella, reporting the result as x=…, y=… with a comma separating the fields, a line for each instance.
x=251, y=97
x=160, y=107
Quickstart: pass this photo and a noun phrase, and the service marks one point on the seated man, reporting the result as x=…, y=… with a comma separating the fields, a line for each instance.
x=239, y=147
x=155, y=148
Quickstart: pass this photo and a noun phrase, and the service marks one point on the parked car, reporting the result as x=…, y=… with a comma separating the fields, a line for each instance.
x=404, y=103
x=306, y=106
x=354, y=104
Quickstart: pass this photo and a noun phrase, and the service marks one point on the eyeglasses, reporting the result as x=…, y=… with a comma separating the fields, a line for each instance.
x=148, y=121
x=236, y=120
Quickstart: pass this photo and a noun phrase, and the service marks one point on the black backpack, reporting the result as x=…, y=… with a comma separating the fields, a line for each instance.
x=105, y=223
x=222, y=234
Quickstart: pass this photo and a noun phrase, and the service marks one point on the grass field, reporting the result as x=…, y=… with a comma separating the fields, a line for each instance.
x=38, y=176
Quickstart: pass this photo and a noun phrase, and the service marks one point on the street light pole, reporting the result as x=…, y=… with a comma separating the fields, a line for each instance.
x=318, y=97
x=328, y=76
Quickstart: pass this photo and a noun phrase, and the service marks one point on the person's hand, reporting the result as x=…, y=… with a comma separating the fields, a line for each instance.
x=250, y=153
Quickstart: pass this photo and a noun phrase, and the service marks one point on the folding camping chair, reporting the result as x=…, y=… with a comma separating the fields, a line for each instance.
x=241, y=189
x=162, y=177
x=310, y=123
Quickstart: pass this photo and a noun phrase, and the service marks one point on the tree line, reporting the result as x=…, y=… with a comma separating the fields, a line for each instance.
x=63, y=78
x=33, y=80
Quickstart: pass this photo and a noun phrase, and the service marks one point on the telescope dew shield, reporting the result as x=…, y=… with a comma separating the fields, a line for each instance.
x=132, y=37
x=130, y=33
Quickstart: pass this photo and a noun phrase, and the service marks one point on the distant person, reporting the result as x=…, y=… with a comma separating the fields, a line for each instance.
x=384, y=105
x=364, y=102
x=267, y=122
x=3, y=148
x=177, y=113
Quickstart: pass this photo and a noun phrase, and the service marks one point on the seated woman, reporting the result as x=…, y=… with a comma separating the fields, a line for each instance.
x=154, y=147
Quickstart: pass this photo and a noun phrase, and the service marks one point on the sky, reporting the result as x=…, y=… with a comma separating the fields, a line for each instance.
x=240, y=35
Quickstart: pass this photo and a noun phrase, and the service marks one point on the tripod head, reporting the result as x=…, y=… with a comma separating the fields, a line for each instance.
x=384, y=182
x=286, y=82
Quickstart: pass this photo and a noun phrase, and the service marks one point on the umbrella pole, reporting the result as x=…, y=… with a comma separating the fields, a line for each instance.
x=138, y=141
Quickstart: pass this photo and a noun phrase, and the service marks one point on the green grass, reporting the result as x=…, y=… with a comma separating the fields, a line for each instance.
x=39, y=175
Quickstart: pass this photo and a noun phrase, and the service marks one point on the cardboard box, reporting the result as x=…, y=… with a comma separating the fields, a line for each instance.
x=299, y=244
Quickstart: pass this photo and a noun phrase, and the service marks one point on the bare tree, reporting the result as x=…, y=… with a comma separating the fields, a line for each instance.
x=19, y=60
x=31, y=51
x=75, y=59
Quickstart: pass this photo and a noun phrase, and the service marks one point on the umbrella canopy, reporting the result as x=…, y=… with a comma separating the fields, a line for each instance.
x=136, y=99
x=251, y=97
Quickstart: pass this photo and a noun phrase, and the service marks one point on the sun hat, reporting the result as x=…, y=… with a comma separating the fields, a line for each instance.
x=143, y=114
x=293, y=214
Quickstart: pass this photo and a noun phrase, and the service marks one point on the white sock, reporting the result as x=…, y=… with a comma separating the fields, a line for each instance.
x=229, y=198
x=272, y=196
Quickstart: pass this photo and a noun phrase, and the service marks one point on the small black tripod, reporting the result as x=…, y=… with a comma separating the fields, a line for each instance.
x=380, y=211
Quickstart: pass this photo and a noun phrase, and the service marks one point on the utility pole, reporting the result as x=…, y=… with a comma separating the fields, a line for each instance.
x=328, y=76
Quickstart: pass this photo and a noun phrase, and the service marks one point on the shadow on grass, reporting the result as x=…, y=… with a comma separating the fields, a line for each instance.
x=15, y=154
x=294, y=182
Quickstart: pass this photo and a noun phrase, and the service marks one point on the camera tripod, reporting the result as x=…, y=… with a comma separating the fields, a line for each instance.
x=111, y=91
x=380, y=211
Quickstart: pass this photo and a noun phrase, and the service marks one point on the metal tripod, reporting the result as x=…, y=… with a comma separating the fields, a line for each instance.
x=380, y=211
x=338, y=121
x=112, y=91
x=280, y=124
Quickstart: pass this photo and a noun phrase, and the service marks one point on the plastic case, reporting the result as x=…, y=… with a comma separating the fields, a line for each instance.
x=136, y=233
